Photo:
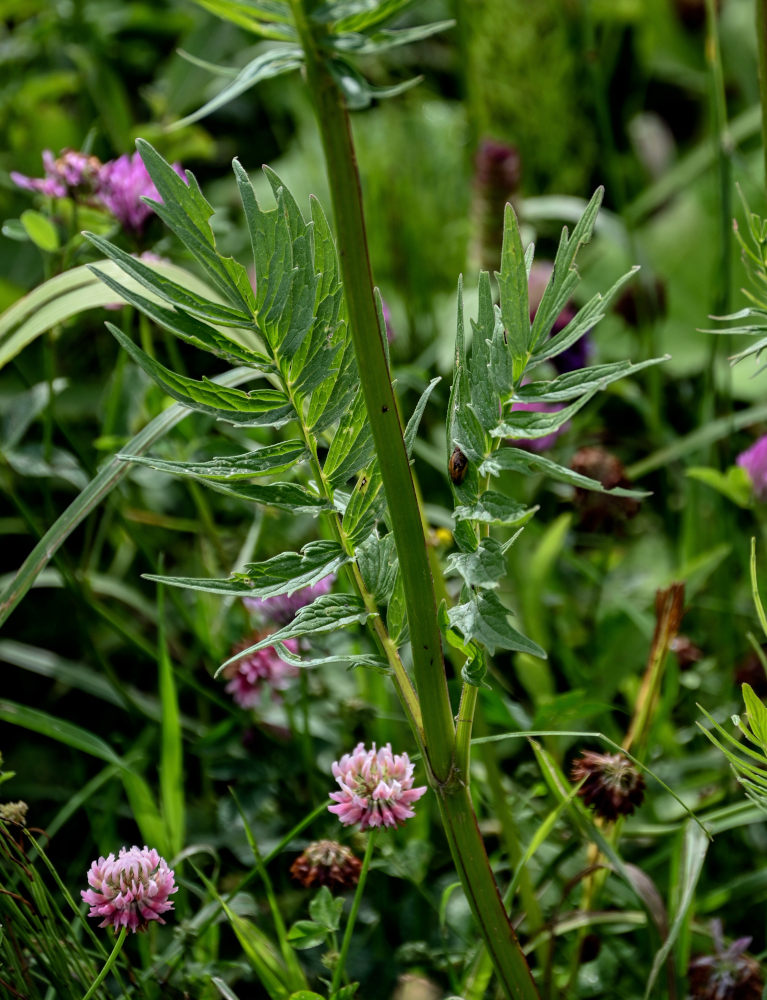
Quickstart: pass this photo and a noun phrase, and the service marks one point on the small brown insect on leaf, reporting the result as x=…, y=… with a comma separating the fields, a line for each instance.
x=458, y=466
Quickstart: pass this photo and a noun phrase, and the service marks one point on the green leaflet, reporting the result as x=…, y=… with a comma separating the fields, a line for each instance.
x=378, y=663
x=512, y=282
x=563, y=279
x=522, y=424
x=162, y=285
x=286, y=496
x=483, y=567
x=263, y=461
x=574, y=383
x=587, y=317
x=352, y=446
x=257, y=408
x=186, y=212
x=273, y=62
x=485, y=619
x=288, y=572
x=518, y=460
x=377, y=562
x=494, y=508
x=282, y=574
x=365, y=506
x=328, y=613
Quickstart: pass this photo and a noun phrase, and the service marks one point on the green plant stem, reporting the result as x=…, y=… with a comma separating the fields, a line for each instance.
x=470, y=859
x=405, y=515
x=349, y=929
x=108, y=964
x=761, y=38
x=466, y=709
x=464, y=838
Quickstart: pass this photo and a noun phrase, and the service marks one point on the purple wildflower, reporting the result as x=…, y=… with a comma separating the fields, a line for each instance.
x=754, y=461
x=376, y=788
x=131, y=890
x=66, y=174
x=123, y=183
x=263, y=669
x=284, y=607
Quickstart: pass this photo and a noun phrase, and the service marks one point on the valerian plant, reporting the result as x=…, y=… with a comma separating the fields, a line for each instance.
x=300, y=331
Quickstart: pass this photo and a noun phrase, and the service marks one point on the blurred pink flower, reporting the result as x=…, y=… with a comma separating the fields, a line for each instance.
x=376, y=787
x=123, y=183
x=254, y=673
x=131, y=890
x=284, y=607
x=69, y=172
x=754, y=461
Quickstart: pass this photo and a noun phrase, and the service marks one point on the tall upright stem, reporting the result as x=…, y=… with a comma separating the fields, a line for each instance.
x=439, y=737
x=375, y=380
x=761, y=37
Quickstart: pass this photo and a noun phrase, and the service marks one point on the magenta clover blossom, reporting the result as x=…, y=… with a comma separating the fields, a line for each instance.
x=261, y=670
x=130, y=890
x=376, y=788
x=754, y=461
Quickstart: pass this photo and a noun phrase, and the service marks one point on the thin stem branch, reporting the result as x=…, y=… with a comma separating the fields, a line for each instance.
x=108, y=964
x=349, y=930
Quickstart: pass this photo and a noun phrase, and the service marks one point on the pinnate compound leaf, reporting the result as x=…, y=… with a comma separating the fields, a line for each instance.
x=482, y=568
x=328, y=613
x=264, y=461
x=484, y=619
x=257, y=408
x=518, y=460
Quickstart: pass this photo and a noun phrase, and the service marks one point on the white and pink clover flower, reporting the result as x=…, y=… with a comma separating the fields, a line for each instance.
x=376, y=788
x=130, y=890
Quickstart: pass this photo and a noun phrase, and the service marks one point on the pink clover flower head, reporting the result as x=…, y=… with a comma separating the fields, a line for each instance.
x=130, y=890
x=376, y=788
x=259, y=671
x=754, y=461
x=283, y=608
x=66, y=174
x=123, y=183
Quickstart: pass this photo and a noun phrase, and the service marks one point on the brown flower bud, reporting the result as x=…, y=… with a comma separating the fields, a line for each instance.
x=686, y=651
x=612, y=785
x=326, y=862
x=599, y=511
